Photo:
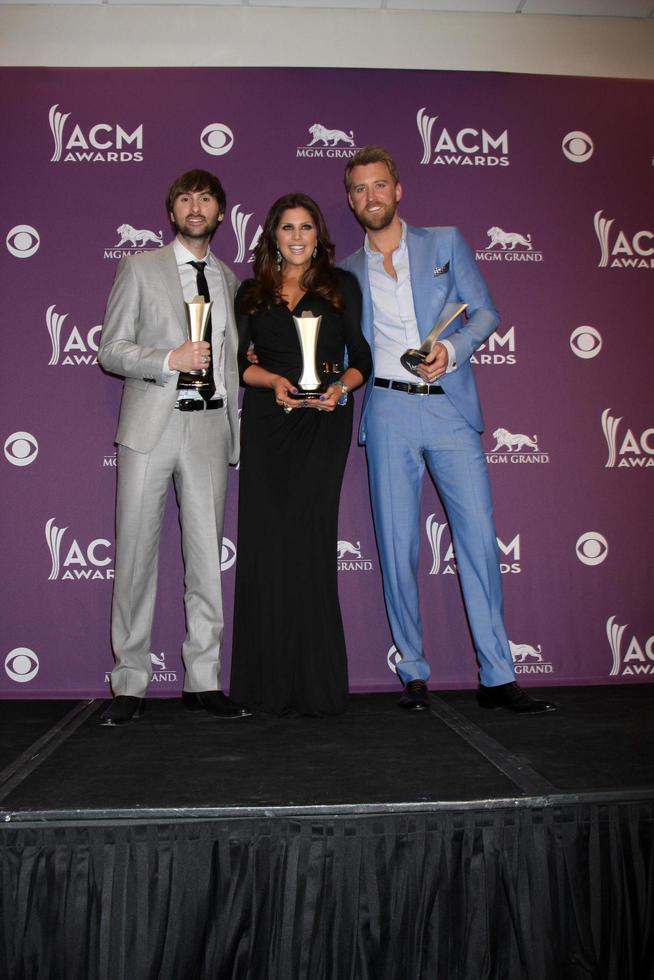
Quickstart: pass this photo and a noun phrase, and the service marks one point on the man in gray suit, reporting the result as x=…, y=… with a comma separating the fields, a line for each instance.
x=165, y=432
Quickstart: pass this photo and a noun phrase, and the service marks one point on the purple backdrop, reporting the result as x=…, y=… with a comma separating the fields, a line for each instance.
x=550, y=180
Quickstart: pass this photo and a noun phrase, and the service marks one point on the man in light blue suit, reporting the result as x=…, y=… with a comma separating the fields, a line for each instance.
x=408, y=276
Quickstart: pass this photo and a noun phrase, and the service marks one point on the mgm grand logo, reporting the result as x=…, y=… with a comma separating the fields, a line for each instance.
x=528, y=659
x=328, y=143
x=160, y=673
x=515, y=447
x=350, y=559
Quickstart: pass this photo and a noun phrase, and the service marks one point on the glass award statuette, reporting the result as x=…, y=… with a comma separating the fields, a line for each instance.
x=199, y=317
x=413, y=357
x=310, y=384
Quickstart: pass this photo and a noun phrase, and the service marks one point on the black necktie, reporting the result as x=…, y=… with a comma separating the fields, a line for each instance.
x=203, y=290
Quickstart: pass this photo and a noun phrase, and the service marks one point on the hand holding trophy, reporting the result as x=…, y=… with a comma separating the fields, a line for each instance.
x=199, y=321
x=415, y=356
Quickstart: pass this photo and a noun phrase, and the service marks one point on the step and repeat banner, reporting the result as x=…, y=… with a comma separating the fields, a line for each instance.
x=550, y=180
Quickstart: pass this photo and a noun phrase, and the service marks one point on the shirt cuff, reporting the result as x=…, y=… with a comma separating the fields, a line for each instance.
x=451, y=356
x=167, y=372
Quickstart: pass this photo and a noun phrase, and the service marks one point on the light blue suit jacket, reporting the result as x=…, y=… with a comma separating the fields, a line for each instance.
x=443, y=270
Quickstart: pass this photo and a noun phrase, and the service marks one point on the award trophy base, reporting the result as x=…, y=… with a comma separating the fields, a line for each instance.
x=412, y=359
x=302, y=395
x=198, y=381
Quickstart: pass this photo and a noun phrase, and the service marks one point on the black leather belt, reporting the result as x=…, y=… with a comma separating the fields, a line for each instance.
x=198, y=404
x=409, y=387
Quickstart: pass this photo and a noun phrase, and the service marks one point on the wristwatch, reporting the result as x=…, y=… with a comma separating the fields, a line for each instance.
x=343, y=399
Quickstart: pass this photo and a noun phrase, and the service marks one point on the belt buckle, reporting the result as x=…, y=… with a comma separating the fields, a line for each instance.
x=422, y=388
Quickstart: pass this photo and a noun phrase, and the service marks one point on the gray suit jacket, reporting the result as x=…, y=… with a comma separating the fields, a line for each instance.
x=144, y=320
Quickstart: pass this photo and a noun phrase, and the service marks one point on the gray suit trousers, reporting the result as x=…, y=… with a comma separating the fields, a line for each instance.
x=193, y=450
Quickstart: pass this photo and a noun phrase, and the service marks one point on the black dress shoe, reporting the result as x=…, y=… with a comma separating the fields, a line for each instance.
x=415, y=696
x=216, y=703
x=513, y=698
x=123, y=709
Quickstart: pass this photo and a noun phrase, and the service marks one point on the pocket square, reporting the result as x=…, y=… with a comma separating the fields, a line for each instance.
x=440, y=270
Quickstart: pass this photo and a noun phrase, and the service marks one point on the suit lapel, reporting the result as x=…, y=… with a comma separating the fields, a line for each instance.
x=167, y=267
x=422, y=278
x=428, y=294
x=359, y=266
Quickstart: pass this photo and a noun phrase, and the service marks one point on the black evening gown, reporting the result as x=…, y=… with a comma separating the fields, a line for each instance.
x=289, y=647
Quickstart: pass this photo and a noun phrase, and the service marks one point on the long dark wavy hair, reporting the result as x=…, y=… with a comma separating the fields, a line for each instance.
x=320, y=277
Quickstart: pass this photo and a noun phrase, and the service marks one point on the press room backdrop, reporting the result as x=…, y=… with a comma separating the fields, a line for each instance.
x=549, y=179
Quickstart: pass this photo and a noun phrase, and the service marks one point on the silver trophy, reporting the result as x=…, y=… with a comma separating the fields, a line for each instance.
x=199, y=316
x=310, y=385
x=415, y=356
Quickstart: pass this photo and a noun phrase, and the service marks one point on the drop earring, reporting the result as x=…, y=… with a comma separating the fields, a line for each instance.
x=278, y=259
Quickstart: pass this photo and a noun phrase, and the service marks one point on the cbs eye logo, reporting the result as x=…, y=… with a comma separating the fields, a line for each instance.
x=21, y=665
x=393, y=658
x=227, y=554
x=577, y=146
x=216, y=139
x=23, y=241
x=21, y=448
x=586, y=342
x=592, y=548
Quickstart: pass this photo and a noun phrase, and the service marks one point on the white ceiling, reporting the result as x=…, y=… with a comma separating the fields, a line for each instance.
x=575, y=8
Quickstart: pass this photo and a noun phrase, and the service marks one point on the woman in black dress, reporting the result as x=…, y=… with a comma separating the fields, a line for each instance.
x=289, y=648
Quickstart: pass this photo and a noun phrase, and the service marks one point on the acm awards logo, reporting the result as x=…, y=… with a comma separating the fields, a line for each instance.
x=100, y=143
x=467, y=147
x=245, y=241
x=498, y=349
x=21, y=665
x=631, y=450
x=349, y=557
x=508, y=246
x=623, y=250
x=161, y=674
x=515, y=447
x=628, y=658
x=76, y=562
x=133, y=240
x=21, y=448
x=444, y=559
x=328, y=143
x=71, y=346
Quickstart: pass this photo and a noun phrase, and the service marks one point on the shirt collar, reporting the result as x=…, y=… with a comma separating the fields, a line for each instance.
x=371, y=252
x=182, y=254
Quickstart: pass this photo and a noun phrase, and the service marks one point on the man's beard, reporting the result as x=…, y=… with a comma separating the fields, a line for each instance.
x=379, y=219
x=206, y=231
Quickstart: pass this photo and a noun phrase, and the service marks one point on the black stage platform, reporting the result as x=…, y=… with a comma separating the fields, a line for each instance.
x=456, y=844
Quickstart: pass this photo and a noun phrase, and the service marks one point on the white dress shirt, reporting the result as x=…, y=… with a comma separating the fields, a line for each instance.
x=188, y=280
x=395, y=323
